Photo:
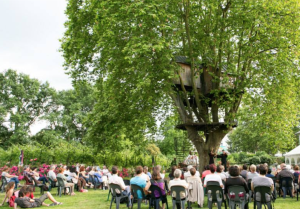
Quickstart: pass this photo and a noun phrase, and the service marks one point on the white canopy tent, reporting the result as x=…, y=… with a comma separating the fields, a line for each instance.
x=293, y=157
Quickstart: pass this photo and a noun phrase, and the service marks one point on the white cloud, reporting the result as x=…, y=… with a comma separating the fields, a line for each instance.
x=29, y=39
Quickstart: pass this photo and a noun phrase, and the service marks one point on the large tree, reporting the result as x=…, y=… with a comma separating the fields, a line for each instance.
x=24, y=101
x=131, y=49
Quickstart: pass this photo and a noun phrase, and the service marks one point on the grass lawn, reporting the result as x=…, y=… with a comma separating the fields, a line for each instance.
x=98, y=199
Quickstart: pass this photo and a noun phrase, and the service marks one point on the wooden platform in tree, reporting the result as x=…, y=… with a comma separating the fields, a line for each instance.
x=206, y=126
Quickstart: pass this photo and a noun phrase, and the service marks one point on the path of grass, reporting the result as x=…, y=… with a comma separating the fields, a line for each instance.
x=97, y=199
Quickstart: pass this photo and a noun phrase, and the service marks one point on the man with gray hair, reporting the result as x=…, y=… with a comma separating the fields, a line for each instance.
x=178, y=182
x=284, y=172
x=51, y=174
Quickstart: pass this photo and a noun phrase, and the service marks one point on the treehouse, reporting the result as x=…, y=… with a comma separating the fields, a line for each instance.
x=204, y=80
x=209, y=88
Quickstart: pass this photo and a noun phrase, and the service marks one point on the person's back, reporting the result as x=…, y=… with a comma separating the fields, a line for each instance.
x=139, y=180
x=262, y=180
x=235, y=180
x=252, y=174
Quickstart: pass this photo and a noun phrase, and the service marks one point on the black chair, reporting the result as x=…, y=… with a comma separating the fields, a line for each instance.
x=52, y=184
x=134, y=191
x=177, y=199
x=4, y=183
x=117, y=194
x=61, y=186
x=215, y=194
x=126, y=182
x=249, y=181
x=286, y=186
x=237, y=196
x=263, y=190
x=156, y=190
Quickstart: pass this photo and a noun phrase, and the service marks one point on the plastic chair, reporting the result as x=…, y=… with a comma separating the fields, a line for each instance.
x=215, y=194
x=177, y=199
x=237, y=196
x=286, y=186
x=4, y=183
x=154, y=190
x=52, y=184
x=117, y=194
x=134, y=191
x=61, y=186
x=263, y=190
x=249, y=181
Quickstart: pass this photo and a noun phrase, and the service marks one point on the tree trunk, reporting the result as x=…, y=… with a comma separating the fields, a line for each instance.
x=204, y=145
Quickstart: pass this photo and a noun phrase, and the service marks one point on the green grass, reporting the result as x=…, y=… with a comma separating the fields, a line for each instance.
x=98, y=199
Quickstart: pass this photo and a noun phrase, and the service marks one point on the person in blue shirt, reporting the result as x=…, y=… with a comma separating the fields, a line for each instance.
x=269, y=173
x=139, y=180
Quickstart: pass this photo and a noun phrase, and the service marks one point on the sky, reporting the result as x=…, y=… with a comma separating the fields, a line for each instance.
x=29, y=42
x=29, y=39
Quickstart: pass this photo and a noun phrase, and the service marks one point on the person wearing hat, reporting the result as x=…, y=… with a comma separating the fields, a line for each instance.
x=223, y=157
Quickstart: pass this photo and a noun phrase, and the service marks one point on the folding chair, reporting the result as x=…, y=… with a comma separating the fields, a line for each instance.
x=215, y=194
x=4, y=183
x=117, y=194
x=135, y=189
x=61, y=186
x=286, y=186
x=237, y=196
x=177, y=199
x=156, y=190
x=263, y=190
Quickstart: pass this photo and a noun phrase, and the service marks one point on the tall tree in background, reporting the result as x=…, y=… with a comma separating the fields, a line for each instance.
x=69, y=111
x=24, y=100
x=130, y=49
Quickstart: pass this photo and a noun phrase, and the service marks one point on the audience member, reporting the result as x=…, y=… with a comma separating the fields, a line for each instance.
x=244, y=171
x=158, y=181
x=64, y=178
x=115, y=179
x=139, y=180
x=220, y=172
x=205, y=172
x=269, y=174
x=213, y=176
x=26, y=202
x=81, y=183
x=9, y=177
x=196, y=193
x=146, y=171
x=235, y=179
x=252, y=173
x=171, y=174
x=262, y=180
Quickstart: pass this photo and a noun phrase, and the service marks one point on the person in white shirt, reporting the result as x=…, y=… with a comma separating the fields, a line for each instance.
x=115, y=179
x=188, y=173
x=178, y=182
x=213, y=176
x=51, y=174
x=105, y=171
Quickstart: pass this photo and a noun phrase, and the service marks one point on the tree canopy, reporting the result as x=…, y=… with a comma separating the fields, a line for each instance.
x=129, y=49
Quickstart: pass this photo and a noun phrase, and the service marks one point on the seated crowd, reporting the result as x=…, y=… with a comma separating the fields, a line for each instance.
x=190, y=179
